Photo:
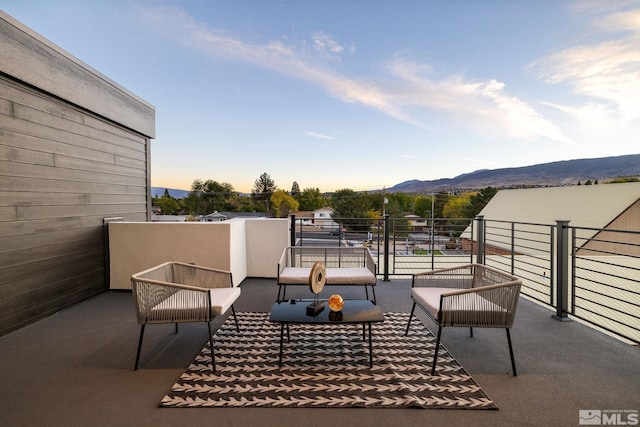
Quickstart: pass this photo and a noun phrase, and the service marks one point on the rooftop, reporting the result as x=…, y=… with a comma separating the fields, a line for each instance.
x=75, y=368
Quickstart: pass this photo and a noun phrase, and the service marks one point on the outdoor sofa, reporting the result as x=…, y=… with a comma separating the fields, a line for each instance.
x=345, y=266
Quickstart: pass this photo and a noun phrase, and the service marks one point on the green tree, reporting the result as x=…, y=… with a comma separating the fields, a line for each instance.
x=263, y=188
x=311, y=199
x=168, y=205
x=350, y=206
x=455, y=206
x=295, y=190
x=478, y=201
x=282, y=204
x=211, y=196
x=422, y=206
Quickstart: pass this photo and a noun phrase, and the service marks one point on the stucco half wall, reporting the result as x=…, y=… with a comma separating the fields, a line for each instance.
x=246, y=247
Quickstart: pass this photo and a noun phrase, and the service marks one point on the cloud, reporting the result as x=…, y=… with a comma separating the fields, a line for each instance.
x=408, y=94
x=319, y=135
x=607, y=71
x=482, y=105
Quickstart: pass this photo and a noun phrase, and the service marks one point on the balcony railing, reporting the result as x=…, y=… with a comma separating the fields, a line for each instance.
x=589, y=274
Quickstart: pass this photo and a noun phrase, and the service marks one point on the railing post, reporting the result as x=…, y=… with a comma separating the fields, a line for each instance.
x=386, y=247
x=480, y=240
x=562, y=270
x=292, y=234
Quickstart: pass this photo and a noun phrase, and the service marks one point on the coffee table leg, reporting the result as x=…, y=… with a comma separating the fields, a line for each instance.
x=370, y=347
x=281, y=339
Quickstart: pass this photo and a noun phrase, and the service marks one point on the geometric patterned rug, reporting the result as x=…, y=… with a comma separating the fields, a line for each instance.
x=325, y=367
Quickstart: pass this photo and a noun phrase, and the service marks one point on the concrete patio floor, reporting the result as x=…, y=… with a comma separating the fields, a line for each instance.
x=75, y=368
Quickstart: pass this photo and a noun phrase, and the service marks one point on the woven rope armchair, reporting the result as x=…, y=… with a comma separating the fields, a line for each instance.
x=176, y=292
x=472, y=295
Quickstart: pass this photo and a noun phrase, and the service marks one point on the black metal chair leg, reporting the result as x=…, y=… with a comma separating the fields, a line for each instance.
x=233, y=310
x=513, y=360
x=213, y=357
x=435, y=353
x=471, y=332
x=410, y=317
x=139, y=347
x=373, y=290
x=176, y=327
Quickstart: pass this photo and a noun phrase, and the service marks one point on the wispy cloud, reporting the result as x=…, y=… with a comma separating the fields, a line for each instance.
x=483, y=105
x=408, y=94
x=319, y=135
x=407, y=156
x=606, y=72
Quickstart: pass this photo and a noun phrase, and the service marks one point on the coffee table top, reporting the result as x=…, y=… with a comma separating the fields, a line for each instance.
x=354, y=311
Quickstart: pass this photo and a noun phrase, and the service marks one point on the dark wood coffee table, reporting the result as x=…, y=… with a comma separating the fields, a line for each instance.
x=353, y=312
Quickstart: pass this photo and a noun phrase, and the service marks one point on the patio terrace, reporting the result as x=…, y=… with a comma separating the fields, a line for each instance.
x=75, y=368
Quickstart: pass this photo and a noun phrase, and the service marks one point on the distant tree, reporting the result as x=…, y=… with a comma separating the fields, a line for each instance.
x=478, y=201
x=621, y=180
x=263, y=188
x=282, y=204
x=351, y=206
x=295, y=190
x=211, y=196
x=455, y=206
x=311, y=199
x=422, y=206
x=168, y=205
x=404, y=202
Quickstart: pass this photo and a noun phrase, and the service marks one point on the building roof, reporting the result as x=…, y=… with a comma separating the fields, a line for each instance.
x=583, y=205
x=593, y=207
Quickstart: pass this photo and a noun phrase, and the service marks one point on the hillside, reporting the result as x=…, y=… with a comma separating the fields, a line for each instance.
x=568, y=172
x=173, y=192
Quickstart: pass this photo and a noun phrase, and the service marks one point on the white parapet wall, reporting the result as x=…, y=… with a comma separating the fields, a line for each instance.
x=246, y=247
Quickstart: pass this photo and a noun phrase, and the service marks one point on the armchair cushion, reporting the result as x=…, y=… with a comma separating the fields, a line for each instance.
x=470, y=305
x=183, y=304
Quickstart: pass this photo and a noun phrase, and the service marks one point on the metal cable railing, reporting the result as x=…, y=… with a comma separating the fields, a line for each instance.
x=588, y=273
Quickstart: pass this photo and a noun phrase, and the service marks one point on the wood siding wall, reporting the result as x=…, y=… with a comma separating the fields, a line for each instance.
x=625, y=243
x=63, y=170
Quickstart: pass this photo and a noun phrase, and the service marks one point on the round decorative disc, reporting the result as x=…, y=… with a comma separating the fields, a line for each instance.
x=317, y=277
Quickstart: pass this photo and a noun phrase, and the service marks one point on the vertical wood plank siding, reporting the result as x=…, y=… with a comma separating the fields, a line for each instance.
x=74, y=150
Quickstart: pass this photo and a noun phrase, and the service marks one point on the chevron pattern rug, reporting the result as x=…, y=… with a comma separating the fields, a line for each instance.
x=325, y=366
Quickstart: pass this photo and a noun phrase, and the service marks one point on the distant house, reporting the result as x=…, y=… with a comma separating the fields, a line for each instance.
x=322, y=218
x=169, y=218
x=416, y=223
x=214, y=217
x=597, y=208
x=304, y=217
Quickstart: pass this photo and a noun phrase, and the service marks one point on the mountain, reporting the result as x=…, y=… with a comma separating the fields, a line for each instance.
x=175, y=193
x=568, y=172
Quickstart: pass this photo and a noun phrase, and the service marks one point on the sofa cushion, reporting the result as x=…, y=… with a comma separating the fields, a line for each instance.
x=335, y=276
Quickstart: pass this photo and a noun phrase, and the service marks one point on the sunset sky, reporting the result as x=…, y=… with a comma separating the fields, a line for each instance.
x=361, y=94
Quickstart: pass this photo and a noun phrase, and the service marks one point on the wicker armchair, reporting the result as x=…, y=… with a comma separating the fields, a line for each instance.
x=473, y=296
x=176, y=292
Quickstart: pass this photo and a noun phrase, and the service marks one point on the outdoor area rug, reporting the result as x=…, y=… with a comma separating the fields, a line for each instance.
x=325, y=366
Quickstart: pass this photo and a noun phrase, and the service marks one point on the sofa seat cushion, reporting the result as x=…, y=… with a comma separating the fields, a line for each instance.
x=470, y=305
x=335, y=276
